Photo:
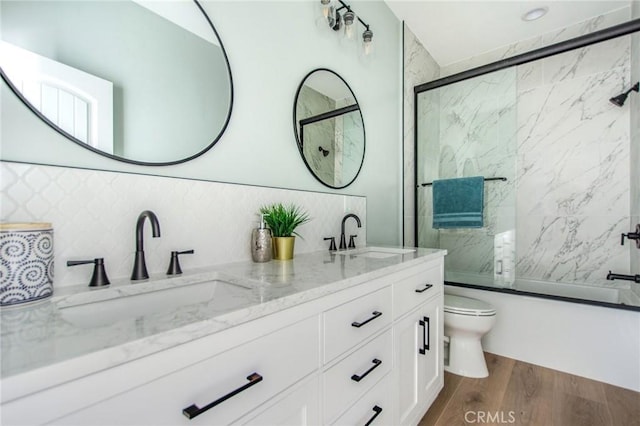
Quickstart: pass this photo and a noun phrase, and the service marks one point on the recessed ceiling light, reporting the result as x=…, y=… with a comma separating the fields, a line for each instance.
x=534, y=14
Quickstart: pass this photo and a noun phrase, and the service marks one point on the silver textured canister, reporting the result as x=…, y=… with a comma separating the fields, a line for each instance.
x=26, y=262
x=261, y=249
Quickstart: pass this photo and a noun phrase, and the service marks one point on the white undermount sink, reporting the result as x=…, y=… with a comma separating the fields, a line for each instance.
x=109, y=305
x=377, y=252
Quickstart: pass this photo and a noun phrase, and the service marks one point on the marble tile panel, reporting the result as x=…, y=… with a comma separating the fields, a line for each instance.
x=597, y=23
x=573, y=149
x=468, y=250
x=572, y=249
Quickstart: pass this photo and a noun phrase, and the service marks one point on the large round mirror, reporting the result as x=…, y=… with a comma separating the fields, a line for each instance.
x=146, y=82
x=329, y=128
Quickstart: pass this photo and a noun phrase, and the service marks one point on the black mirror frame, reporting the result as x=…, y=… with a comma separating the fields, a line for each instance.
x=297, y=135
x=126, y=160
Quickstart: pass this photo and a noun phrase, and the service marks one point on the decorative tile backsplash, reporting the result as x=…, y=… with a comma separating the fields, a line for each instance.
x=94, y=214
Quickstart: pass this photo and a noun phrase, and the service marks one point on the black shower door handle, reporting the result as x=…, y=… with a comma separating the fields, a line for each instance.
x=193, y=411
x=426, y=335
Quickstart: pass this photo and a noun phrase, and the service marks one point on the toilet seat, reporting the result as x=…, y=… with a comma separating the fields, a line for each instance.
x=466, y=306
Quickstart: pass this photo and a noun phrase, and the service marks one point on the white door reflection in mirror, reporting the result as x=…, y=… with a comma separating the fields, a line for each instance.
x=77, y=102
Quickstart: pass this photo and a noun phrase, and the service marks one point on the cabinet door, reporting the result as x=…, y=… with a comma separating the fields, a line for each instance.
x=431, y=364
x=298, y=406
x=407, y=341
x=418, y=358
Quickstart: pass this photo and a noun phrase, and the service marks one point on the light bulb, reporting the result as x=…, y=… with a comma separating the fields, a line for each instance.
x=367, y=42
x=326, y=6
x=349, y=19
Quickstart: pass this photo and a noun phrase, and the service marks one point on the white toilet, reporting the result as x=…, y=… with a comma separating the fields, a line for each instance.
x=466, y=320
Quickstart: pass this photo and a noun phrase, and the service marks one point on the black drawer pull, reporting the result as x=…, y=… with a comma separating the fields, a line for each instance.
x=426, y=335
x=377, y=410
x=193, y=410
x=426, y=287
x=375, y=314
x=357, y=378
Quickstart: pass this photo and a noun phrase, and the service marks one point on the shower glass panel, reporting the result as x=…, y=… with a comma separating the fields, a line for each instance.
x=570, y=160
x=469, y=129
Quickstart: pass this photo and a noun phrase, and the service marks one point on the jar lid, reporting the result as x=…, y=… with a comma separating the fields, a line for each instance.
x=24, y=226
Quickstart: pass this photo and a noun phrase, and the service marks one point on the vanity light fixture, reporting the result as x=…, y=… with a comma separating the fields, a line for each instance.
x=340, y=17
x=535, y=14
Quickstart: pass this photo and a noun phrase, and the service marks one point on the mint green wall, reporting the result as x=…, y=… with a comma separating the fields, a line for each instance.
x=271, y=47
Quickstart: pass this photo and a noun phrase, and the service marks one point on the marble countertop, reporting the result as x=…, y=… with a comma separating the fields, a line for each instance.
x=86, y=330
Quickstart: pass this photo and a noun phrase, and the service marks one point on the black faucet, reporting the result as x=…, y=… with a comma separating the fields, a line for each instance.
x=139, y=266
x=343, y=240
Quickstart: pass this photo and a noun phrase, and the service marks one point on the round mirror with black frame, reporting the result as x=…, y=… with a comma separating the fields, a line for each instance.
x=144, y=82
x=329, y=128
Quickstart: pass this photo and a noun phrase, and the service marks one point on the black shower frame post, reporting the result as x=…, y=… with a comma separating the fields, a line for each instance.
x=544, y=52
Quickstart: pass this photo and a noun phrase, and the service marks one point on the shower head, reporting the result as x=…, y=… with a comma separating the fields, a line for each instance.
x=620, y=99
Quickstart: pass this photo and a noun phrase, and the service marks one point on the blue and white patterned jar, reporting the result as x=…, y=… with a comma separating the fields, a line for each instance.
x=26, y=262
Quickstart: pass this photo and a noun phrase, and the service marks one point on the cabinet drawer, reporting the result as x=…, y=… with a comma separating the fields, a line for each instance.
x=374, y=408
x=415, y=289
x=350, y=378
x=297, y=406
x=349, y=324
x=280, y=359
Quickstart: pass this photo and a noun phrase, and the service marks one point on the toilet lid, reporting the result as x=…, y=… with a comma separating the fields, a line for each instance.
x=467, y=306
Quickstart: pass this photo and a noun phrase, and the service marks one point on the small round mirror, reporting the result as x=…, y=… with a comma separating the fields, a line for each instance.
x=329, y=128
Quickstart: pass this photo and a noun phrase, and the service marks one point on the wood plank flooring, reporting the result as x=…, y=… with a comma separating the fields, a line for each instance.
x=519, y=393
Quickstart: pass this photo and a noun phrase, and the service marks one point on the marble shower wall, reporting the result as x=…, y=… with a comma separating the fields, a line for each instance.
x=571, y=167
x=309, y=101
x=419, y=67
x=94, y=215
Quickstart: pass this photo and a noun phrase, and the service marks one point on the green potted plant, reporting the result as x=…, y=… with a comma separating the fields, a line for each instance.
x=283, y=220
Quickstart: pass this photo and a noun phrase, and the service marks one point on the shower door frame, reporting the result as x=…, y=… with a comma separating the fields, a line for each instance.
x=620, y=30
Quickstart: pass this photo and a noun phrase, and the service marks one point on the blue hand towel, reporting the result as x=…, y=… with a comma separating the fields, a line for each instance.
x=458, y=203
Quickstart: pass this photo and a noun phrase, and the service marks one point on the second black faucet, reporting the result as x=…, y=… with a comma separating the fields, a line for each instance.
x=343, y=239
x=139, y=265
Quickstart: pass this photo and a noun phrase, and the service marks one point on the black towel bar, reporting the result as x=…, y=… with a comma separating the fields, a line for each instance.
x=504, y=179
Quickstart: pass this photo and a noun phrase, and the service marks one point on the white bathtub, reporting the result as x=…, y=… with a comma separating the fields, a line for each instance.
x=612, y=292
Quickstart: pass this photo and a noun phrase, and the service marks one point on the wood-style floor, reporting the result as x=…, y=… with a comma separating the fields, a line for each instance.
x=518, y=393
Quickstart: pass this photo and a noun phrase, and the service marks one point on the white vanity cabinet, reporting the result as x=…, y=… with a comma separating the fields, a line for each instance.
x=418, y=333
x=369, y=353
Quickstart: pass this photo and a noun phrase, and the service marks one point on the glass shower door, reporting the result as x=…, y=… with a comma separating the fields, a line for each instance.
x=469, y=129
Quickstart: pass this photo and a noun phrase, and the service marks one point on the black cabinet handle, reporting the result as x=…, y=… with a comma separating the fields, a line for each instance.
x=377, y=411
x=426, y=287
x=193, y=410
x=375, y=314
x=426, y=335
x=357, y=378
